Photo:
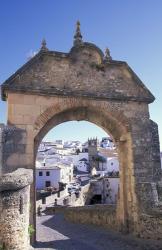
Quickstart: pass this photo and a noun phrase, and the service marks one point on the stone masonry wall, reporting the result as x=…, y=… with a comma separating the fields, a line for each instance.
x=12, y=145
x=101, y=215
x=147, y=167
x=150, y=226
x=14, y=209
x=82, y=72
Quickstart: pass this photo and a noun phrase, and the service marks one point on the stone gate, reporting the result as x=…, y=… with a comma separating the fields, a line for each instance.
x=85, y=84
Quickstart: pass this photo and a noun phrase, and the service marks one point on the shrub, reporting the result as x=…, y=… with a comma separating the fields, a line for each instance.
x=31, y=230
x=2, y=246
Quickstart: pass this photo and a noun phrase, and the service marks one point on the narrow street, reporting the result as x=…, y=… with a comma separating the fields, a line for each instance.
x=53, y=232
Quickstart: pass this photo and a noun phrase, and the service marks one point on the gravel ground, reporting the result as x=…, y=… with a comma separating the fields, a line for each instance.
x=53, y=232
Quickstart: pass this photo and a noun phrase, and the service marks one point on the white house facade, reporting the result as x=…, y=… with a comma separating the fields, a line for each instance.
x=111, y=164
x=82, y=165
x=50, y=176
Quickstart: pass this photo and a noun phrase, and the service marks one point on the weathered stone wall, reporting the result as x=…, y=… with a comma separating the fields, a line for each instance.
x=146, y=150
x=14, y=209
x=101, y=215
x=159, y=191
x=150, y=226
x=147, y=168
x=82, y=72
x=1, y=147
x=12, y=145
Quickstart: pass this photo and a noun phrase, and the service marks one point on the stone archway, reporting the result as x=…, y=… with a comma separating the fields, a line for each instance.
x=85, y=84
x=74, y=109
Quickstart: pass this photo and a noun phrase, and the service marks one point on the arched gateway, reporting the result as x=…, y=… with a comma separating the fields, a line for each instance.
x=84, y=84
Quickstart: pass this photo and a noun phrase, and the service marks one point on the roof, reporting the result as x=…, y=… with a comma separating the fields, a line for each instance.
x=109, y=153
x=83, y=159
x=48, y=168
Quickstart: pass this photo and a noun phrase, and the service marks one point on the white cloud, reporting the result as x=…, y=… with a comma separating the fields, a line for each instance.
x=31, y=54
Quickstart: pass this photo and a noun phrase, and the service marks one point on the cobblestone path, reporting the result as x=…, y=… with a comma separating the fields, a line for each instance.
x=53, y=232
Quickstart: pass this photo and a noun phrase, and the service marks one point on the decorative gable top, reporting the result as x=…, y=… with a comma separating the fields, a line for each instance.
x=85, y=72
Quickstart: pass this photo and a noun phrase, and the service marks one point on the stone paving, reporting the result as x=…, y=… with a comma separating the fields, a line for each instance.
x=53, y=232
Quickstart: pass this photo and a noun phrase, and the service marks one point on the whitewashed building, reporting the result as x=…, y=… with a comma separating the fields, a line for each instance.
x=77, y=157
x=51, y=175
x=106, y=189
x=109, y=161
x=107, y=142
x=111, y=164
x=82, y=165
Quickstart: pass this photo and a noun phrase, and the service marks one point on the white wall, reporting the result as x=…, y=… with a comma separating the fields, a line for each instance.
x=63, y=174
x=54, y=178
x=66, y=174
x=75, y=159
x=114, y=184
x=78, y=157
x=112, y=164
x=82, y=166
x=83, y=155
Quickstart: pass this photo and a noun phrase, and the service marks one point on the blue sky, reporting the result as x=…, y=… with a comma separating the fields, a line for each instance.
x=80, y=131
x=132, y=29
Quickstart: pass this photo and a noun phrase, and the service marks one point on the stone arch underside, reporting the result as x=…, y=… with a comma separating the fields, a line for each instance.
x=105, y=115
x=107, y=123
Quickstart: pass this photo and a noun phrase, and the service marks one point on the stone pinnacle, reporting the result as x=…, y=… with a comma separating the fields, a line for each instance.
x=107, y=55
x=44, y=47
x=78, y=35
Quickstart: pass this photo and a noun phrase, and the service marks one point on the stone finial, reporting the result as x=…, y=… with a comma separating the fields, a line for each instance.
x=78, y=35
x=107, y=55
x=44, y=47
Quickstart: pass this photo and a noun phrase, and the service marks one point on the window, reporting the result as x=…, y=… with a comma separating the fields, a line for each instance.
x=48, y=173
x=48, y=183
x=40, y=173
